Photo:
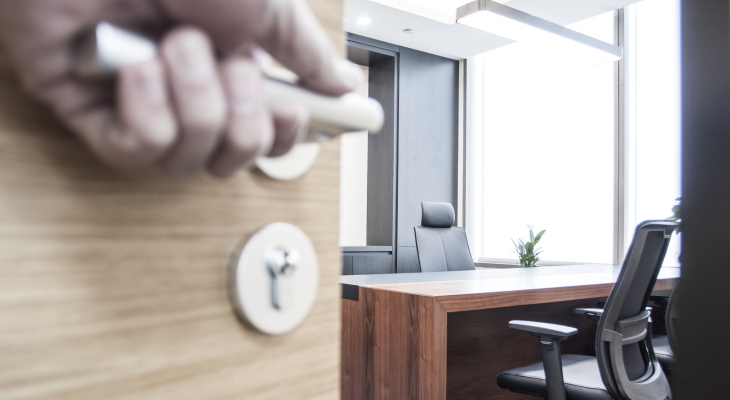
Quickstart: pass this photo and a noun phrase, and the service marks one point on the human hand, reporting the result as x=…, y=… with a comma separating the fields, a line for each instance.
x=187, y=110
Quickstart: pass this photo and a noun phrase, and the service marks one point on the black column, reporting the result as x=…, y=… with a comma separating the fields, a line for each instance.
x=704, y=307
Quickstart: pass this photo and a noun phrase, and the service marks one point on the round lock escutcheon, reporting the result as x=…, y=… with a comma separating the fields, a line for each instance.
x=274, y=279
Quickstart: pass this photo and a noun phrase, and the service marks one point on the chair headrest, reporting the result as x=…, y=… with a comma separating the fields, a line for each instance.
x=437, y=215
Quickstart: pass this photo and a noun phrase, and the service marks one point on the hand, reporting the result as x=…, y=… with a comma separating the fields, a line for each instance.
x=186, y=110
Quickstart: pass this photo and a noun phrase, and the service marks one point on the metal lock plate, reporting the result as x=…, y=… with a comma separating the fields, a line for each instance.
x=275, y=278
x=291, y=165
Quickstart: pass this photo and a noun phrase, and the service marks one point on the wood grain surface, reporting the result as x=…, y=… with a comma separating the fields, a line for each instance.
x=481, y=345
x=113, y=286
x=452, y=337
x=394, y=347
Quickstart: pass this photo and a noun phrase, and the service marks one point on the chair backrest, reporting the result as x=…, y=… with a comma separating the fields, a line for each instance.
x=623, y=343
x=440, y=245
x=670, y=319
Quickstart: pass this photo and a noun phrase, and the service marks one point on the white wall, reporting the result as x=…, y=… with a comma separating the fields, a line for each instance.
x=354, y=183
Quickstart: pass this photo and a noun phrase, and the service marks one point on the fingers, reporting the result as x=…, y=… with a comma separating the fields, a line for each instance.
x=295, y=38
x=250, y=130
x=198, y=97
x=141, y=130
x=150, y=126
x=290, y=124
x=287, y=29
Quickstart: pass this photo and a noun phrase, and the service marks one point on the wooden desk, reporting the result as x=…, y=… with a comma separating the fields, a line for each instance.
x=445, y=334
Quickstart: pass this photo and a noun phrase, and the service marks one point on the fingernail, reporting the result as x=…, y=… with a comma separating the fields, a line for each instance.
x=243, y=87
x=149, y=82
x=191, y=51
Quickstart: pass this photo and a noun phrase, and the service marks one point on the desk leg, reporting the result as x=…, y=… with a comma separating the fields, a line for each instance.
x=393, y=347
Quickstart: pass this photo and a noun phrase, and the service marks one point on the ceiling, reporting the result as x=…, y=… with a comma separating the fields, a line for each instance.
x=457, y=41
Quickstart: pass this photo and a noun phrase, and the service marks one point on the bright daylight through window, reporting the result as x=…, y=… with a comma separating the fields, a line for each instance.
x=542, y=142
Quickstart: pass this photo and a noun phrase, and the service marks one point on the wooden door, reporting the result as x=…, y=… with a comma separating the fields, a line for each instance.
x=114, y=287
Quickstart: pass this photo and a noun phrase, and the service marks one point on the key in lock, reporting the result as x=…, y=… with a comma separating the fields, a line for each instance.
x=274, y=280
x=281, y=264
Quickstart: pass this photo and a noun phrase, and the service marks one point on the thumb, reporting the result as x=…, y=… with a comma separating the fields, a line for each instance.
x=286, y=29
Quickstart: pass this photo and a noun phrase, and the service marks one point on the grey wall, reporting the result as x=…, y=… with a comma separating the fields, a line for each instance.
x=367, y=260
x=414, y=157
x=427, y=143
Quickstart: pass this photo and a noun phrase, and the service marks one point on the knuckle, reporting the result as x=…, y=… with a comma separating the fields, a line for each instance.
x=210, y=119
x=246, y=145
x=183, y=32
x=129, y=150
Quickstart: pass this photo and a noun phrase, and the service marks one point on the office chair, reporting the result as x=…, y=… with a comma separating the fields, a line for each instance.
x=664, y=345
x=440, y=245
x=625, y=366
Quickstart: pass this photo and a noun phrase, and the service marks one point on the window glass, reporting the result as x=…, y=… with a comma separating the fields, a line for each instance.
x=541, y=151
x=653, y=114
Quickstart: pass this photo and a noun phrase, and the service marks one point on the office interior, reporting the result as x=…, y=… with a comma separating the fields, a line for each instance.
x=488, y=141
x=382, y=264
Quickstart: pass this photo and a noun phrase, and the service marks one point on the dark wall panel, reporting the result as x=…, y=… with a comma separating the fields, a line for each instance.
x=376, y=263
x=346, y=264
x=427, y=138
x=414, y=158
x=381, y=155
x=407, y=260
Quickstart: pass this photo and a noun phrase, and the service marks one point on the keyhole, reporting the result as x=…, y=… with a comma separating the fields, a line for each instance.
x=281, y=263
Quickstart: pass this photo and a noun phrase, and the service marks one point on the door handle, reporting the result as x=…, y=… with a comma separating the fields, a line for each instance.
x=107, y=48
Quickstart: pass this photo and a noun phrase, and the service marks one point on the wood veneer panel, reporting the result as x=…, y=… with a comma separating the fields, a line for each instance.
x=518, y=298
x=396, y=340
x=114, y=287
x=394, y=347
x=526, y=297
x=481, y=346
x=467, y=295
x=353, y=350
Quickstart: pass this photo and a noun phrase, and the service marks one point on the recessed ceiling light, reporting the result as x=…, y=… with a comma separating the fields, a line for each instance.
x=409, y=30
x=443, y=11
x=363, y=21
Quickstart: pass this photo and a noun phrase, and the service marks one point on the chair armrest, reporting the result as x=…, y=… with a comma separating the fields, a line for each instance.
x=550, y=336
x=543, y=329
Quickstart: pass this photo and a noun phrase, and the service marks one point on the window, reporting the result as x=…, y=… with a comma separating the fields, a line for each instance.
x=540, y=151
x=542, y=142
x=653, y=110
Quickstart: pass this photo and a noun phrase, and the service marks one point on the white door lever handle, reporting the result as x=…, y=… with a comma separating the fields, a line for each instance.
x=108, y=48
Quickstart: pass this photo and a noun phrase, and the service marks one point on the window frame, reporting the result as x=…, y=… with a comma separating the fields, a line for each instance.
x=620, y=160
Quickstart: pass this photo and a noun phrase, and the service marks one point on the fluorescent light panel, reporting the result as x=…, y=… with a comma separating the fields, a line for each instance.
x=443, y=11
x=516, y=25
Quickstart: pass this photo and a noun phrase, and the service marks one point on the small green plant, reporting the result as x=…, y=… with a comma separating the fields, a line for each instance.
x=528, y=252
x=677, y=213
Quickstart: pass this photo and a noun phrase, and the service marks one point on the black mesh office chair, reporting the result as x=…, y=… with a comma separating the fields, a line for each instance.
x=441, y=246
x=664, y=345
x=625, y=366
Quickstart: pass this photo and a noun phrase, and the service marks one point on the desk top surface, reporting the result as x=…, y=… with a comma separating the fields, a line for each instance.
x=483, y=281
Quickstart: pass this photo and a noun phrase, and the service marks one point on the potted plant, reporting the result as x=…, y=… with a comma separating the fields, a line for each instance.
x=528, y=252
x=677, y=213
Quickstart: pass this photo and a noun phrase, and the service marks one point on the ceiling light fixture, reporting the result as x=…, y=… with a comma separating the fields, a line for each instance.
x=498, y=19
x=364, y=21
